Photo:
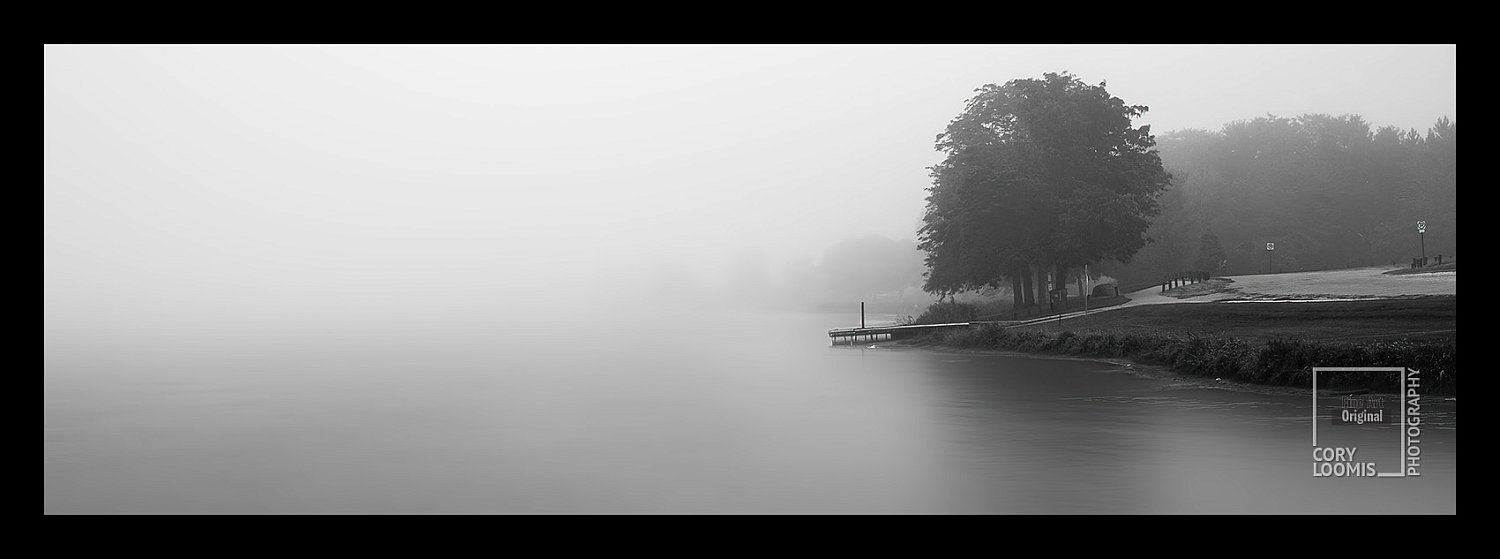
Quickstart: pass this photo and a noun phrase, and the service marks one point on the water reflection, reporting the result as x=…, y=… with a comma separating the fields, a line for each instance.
x=756, y=415
x=1064, y=436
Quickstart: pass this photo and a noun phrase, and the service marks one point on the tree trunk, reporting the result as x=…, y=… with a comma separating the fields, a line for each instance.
x=1061, y=282
x=1025, y=285
x=1041, y=285
x=1017, y=298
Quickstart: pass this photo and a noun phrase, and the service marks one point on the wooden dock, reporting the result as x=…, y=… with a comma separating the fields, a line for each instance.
x=890, y=332
x=893, y=331
x=880, y=333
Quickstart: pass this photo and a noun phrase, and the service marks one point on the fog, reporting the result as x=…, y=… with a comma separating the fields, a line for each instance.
x=193, y=187
x=600, y=278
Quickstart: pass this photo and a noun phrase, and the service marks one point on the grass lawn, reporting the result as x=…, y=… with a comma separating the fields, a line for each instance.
x=1003, y=311
x=1416, y=318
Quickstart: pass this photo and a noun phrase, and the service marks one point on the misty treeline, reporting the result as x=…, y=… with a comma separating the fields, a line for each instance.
x=1040, y=177
x=1330, y=192
x=886, y=274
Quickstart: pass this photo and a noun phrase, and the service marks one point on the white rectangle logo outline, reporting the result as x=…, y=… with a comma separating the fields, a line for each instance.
x=1400, y=385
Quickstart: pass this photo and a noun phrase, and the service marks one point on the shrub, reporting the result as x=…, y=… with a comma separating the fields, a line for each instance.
x=943, y=313
x=1280, y=361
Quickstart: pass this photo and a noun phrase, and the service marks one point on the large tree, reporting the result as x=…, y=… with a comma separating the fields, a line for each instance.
x=1038, y=173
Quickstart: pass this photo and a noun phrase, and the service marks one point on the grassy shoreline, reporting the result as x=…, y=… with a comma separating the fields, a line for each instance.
x=1266, y=343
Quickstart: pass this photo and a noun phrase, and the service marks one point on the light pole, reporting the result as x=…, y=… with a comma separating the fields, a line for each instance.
x=1422, y=236
x=1270, y=267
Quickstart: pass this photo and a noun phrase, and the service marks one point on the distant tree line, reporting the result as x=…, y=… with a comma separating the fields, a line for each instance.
x=871, y=268
x=1329, y=191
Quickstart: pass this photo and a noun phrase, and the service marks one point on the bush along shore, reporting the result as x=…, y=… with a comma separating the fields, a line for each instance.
x=942, y=313
x=1279, y=361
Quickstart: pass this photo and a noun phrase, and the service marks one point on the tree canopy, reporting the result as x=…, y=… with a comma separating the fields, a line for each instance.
x=1038, y=173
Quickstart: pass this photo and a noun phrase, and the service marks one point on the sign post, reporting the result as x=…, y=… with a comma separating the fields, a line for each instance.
x=1269, y=265
x=1422, y=236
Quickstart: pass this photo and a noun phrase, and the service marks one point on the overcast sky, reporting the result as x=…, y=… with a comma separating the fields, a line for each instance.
x=266, y=173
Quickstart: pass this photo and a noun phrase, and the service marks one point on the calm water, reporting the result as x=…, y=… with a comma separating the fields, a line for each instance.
x=754, y=414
